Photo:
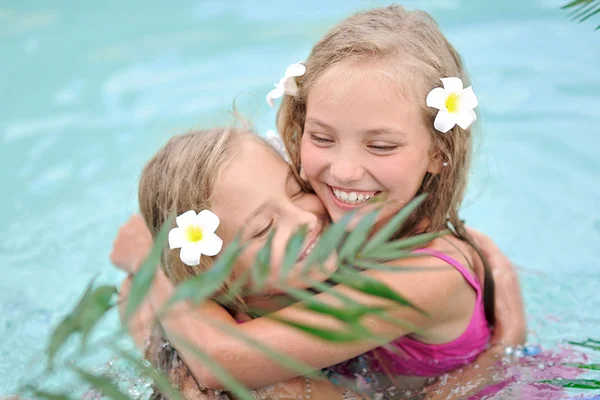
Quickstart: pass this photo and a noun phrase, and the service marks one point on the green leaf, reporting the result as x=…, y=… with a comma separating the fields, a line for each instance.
x=236, y=288
x=323, y=333
x=159, y=379
x=575, y=3
x=593, y=367
x=348, y=314
x=96, y=305
x=582, y=10
x=395, y=224
x=589, y=15
x=59, y=336
x=386, y=250
x=320, y=286
x=101, y=383
x=393, y=268
x=574, y=383
x=590, y=344
x=47, y=395
x=217, y=370
x=145, y=276
x=84, y=315
x=260, y=269
x=357, y=237
x=368, y=285
x=329, y=241
x=292, y=251
x=200, y=287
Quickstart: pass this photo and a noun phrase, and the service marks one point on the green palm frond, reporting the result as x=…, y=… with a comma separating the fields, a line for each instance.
x=354, y=249
x=574, y=383
x=582, y=10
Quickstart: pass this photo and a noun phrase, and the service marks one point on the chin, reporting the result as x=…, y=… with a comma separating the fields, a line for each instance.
x=335, y=215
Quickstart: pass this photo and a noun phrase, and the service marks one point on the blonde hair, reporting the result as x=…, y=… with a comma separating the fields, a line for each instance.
x=409, y=47
x=181, y=177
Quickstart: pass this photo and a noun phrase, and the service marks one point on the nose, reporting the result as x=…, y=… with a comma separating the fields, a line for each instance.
x=297, y=216
x=346, y=170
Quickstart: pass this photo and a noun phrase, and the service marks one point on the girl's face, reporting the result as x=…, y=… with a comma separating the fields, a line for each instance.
x=363, y=139
x=258, y=193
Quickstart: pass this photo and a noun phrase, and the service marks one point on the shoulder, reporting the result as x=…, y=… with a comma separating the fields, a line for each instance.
x=433, y=283
x=440, y=256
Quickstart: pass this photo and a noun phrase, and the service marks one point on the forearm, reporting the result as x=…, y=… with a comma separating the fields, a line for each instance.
x=139, y=325
x=243, y=361
x=185, y=325
x=236, y=355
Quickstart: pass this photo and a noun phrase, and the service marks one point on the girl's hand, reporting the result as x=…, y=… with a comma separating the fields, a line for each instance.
x=132, y=245
x=511, y=326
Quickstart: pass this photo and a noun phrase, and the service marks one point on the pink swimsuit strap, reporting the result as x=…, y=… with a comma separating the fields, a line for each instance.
x=408, y=356
x=464, y=271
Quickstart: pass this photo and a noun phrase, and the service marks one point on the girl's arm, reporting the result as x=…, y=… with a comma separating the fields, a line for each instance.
x=296, y=388
x=293, y=342
x=431, y=291
x=140, y=324
x=133, y=243
x=510, y=323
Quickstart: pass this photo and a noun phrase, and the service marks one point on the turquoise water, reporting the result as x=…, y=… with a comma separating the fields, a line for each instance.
x=88, y=93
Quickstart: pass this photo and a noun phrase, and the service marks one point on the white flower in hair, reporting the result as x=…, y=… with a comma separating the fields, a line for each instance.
x=455, y=104
x=195, y=235
x=275, y=141
x=287, y=84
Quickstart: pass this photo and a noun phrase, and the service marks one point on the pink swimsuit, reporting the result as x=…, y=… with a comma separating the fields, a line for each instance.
x=407, y=356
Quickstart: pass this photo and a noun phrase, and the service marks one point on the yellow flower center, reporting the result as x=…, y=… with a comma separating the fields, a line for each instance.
x=452, y=103
x=193, y=233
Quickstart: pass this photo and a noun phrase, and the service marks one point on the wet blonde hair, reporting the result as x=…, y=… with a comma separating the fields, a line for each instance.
x=409, y=48
x=181, y=177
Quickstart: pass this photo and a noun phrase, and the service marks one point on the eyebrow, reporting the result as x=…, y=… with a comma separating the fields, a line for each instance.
x=370, y=132
x=317, y=122
x=384, y=131
x=260, y=208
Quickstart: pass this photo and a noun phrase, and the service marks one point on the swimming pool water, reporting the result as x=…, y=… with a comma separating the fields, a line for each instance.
x=89, y=92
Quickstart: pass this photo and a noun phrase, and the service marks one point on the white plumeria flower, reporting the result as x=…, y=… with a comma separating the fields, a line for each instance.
x=455, y=104
x=287, y=84
x=275, y=141
x=195, y=235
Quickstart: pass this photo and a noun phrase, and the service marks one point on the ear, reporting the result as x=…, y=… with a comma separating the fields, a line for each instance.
x=435, y=163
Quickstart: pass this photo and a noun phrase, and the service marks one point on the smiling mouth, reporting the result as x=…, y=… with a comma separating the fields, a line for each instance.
x=352, y=197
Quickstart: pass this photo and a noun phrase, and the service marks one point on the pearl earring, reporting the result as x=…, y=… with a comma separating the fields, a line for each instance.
x=445, y=164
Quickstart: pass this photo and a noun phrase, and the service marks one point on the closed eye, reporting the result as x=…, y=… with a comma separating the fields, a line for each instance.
x=320, y=139
x=383, y=149
x=264, y=231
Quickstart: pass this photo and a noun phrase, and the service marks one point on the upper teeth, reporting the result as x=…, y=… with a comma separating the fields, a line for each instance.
x=352, y=197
